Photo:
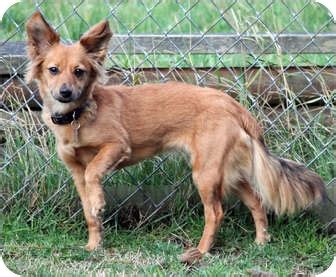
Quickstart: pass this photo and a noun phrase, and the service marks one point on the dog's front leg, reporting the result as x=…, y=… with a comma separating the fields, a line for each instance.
x=107, y=159
x=94, y=224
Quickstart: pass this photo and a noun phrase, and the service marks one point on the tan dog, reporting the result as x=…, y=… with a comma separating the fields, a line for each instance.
x=102, y=128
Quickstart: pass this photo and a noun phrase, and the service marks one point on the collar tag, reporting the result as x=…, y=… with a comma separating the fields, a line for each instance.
x=75, y=125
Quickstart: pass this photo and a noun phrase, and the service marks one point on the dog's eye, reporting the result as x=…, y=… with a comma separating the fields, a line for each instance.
x=53, y=70
x=79, y=72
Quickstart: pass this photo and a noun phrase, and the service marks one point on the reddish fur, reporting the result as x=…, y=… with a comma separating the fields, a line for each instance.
x=123, y=125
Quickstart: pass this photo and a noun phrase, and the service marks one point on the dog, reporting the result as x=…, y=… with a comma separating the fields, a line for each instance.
x=101, y=128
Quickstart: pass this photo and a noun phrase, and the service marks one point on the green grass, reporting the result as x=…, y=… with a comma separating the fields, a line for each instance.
x=298, y=245
x=167, y=16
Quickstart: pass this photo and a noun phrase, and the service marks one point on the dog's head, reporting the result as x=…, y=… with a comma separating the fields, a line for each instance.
x=65, y=73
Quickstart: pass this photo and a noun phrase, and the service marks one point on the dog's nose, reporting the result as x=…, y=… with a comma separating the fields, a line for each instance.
x=65, y=91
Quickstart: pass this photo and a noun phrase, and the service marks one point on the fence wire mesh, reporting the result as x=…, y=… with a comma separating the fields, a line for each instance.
x=277, y=58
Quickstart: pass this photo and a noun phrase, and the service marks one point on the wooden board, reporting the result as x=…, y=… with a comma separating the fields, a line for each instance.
x=13, y=54
x=269, y=87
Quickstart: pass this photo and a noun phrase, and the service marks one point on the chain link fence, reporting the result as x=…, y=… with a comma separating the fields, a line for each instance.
x=277, y=58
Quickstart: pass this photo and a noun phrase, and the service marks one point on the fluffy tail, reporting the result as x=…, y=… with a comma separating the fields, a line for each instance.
x=283, y=185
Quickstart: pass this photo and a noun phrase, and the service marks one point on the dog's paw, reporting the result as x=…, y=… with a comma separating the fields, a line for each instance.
x=93, y=245
x=191, y=256
x=262, y=240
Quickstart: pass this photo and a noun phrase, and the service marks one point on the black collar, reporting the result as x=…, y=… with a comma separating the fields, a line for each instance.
x=62, y=119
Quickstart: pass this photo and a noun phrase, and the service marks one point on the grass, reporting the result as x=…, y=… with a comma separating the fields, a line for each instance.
x=202, y=16
x=186, y=17
x=298, y=246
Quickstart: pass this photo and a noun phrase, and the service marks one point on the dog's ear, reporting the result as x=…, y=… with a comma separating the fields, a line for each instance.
x=95, y=41
x=41, y=35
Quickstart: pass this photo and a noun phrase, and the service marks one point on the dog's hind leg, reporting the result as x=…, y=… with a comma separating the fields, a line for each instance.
x=207, y=176
x=213, y=212
x=253, y=202
x=208, y=184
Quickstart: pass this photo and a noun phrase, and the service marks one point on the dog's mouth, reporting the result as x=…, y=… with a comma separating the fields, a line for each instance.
x=65, y=100
x=62, y=100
